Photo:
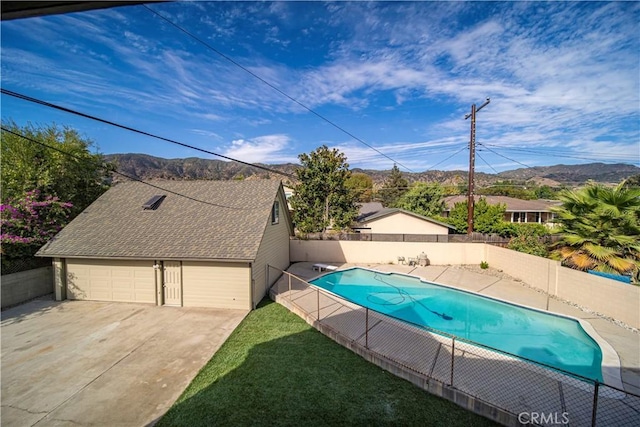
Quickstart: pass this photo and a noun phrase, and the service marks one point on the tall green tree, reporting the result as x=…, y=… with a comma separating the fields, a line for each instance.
x=600, y=229
x=322, y=197
x=393, y=188
x=487, y=218
x=423, y=199
x=78, y=178
x=361, y=185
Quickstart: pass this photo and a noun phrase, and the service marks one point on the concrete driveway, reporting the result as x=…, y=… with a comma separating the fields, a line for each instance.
x=92, y=363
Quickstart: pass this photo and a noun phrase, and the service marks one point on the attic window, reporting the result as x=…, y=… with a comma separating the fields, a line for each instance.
x=275, y=212
x=154, y=202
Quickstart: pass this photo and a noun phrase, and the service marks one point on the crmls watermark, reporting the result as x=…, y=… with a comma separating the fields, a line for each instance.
x=541, y=418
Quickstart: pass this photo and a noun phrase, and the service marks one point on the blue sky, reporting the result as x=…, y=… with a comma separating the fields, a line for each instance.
x=563, y=79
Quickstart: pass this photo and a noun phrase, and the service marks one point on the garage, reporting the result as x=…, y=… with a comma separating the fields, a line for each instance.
x=106, y=280
x=175, y=243
x=181, y=283
x=212, y=284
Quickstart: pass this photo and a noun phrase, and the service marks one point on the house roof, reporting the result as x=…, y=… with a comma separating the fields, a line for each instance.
x=373, y=211
x=513, y=204
x=221, y=220
x=367, y=209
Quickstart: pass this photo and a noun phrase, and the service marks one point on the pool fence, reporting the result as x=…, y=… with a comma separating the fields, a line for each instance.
x=504, y=387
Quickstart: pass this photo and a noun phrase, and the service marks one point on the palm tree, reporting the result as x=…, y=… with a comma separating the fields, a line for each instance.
x=600, y=229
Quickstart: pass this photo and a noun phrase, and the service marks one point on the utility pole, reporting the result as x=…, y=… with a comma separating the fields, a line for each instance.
x=472, y=162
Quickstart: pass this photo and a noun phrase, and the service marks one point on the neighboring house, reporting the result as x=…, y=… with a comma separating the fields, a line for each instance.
x=373, y=218
x=137, y=243
x=288, y=192
x=518, y=210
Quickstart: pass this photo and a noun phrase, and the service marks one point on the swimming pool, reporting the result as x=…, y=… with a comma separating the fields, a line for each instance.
x=553, y=340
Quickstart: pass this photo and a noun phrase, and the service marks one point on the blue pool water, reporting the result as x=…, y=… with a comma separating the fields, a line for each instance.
x=553, y=340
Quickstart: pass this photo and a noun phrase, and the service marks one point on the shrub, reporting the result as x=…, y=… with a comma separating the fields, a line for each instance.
x=29, y=222
x=529, y=241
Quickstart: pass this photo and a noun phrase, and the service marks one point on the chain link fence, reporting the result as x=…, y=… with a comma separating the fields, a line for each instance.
x=10, y=266
x=530, y=391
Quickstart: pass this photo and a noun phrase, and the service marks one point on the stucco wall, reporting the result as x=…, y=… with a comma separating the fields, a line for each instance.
x=401, y=223
x=605, y=296
x=534, y=270
x=340, y=251
x=609, y=297
x=23, y=286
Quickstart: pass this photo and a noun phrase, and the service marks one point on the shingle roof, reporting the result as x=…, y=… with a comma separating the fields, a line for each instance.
x=513, y=204
x=367, y=209
x=230, y=227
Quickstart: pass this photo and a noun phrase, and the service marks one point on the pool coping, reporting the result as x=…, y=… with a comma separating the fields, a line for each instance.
x=610, y=365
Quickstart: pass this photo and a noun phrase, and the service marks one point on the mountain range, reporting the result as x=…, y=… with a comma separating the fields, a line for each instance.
x=146, y=167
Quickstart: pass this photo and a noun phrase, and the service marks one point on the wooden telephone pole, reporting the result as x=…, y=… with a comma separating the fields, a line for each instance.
x=472, y=163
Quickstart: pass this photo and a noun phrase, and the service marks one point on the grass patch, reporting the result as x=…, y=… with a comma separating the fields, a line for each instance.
x=275, y=369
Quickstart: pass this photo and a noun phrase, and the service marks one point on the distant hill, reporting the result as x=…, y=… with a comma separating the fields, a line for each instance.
x=575, y=174
x=143, y=166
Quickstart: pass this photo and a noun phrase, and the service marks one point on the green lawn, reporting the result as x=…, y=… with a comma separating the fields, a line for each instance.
x=277, y=370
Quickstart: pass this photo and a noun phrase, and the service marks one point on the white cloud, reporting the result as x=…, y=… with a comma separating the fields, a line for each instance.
x=261, y=149
x=207, y=133
x=409, y=156
x=209, y=117
x=553, y=83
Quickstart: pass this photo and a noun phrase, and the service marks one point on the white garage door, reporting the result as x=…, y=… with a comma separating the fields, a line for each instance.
x=217, y=285
x=105, y=280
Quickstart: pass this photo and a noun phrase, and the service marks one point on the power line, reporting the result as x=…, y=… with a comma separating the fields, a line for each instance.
x=482, y=158
x=88, y=116
x=442, y=161
x=413, y=152
x=119, y=173
x=546, y=152
x=280, y=91
x=505, y=157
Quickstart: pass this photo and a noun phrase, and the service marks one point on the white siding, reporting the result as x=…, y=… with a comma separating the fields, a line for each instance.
x=215, y=284
x=106, y=280
x=273, y=250
x=401, y=223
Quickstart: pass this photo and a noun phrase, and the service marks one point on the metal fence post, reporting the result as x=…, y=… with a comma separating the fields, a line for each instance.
x=366, y=330
x=289, y=286
x=595, y=403
x=318, y=294
x=453, y=352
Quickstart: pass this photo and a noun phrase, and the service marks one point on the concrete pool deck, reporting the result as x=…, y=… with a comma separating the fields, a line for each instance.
x=493, y=283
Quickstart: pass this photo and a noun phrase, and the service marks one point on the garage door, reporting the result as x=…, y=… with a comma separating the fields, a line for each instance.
x=104, y=280
x=217, y=285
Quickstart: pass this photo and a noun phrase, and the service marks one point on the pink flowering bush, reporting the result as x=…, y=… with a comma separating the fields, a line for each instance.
x=29, y=222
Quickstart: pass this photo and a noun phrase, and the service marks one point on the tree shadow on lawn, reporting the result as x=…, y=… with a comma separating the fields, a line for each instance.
x=302, y=377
